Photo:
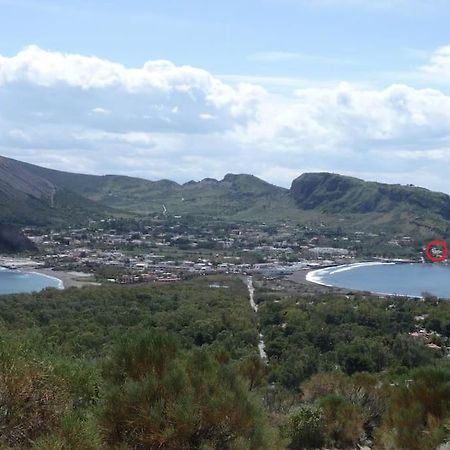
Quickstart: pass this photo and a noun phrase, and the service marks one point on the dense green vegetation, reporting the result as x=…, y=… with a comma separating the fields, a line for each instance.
x=146, y=394
x=141, y=367
x=87, y=321
x=176, y=367
x=305, y=335
x=353, y=361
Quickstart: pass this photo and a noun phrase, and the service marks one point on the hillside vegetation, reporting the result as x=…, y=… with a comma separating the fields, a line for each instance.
x=27, y=198
x=176, y=367
x=393, y=207
x=239, y=196
x=313, y=199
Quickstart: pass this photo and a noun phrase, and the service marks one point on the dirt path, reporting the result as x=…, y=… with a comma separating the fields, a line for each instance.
x=251, y=293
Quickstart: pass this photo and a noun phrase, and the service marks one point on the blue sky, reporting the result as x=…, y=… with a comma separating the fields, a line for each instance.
x=352, y=38
x=270, y=87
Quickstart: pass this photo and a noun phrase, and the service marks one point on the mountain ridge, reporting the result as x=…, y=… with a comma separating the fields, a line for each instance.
x=334, y=188
x=320, y=197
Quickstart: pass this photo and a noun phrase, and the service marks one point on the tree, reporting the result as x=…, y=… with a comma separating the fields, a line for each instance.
x=253, y=370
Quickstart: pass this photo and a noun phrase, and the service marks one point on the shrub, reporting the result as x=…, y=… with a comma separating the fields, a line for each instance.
x=343, y=421
x=417, y=416
x=361, y=389
x=75, y=433
x=305, y=429
x=159, y=397
x=253, y=370
x=32, y=398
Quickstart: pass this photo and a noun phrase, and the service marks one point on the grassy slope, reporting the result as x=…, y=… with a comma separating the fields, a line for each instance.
x=69, y=207
x=370, y=205
x=333, y=200
x=25, y=197
x=238, y=196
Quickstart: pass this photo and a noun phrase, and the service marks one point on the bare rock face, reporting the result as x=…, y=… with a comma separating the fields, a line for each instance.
x=17, y=182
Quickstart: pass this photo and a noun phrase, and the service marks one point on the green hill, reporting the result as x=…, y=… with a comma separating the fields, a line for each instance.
x=26, y=198
x=336, y=193
x=365, y=205
x=237, y=196
x=33, y=194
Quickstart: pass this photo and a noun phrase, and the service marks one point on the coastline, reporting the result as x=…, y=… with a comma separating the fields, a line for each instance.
x=63, y=280
x=313, y=277
x=67, y=279
x=51, y=277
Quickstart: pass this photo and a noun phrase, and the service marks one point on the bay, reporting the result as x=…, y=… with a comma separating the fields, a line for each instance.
x=411, y=280
x=15, y=281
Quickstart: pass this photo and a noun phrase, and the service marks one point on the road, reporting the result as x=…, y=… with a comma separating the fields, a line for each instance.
x=251, y=293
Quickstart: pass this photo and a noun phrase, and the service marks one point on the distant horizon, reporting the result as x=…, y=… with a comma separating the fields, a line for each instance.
x=187, y=91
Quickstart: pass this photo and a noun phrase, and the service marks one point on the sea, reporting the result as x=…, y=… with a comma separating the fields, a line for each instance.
x=412, y=280
x=15, y=281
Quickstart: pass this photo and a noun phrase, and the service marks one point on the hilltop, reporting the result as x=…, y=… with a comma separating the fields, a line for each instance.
x=30, y=194
x=240, y=196
x=391, y=207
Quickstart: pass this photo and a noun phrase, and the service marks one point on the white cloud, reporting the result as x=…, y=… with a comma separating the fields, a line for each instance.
x=352, y=130
x=86, y=114
x=100, y=111
x=439, y=64
x=158, y=95
x=354, y=117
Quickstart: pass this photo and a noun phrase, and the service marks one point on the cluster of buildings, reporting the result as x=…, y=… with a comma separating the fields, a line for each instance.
x=169, y=248
x=431, y=339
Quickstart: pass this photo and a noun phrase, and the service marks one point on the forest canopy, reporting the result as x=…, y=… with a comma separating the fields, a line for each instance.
x=177, y=367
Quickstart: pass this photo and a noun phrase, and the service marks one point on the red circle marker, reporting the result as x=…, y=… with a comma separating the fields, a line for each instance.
x=436, y=243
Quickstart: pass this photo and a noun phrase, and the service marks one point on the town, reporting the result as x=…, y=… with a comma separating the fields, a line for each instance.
x=169, y=248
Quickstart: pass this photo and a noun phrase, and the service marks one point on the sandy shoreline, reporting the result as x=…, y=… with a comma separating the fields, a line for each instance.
x=68, y=279
x=307, y=279
x=300, y=276
x=312, y=275
x=315, y=276
x=312, y=278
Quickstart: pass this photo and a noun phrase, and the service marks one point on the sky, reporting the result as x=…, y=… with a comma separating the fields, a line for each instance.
x=191, y=89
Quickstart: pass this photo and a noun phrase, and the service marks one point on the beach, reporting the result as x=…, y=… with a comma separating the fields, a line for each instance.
x=301, y=277
x=312, y=285
x=69, y=279
x=414, y=280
